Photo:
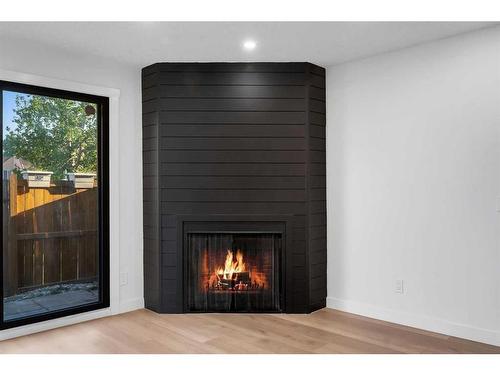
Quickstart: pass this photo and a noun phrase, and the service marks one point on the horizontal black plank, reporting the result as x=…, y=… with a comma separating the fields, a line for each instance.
x=149, y=93
x=317, y=118
x=149, y=144
x=317, y=297
x=315, y=69
x=150, y=182
x=233, y=169
x=168, y=258
x=318, y=244
x=169, y=233
x=228, y=104
x=150, y=69
x=149, y=119
x=299, y=244
x=170, y=143
x=298, y=259
x=318, y=282
x=189, y=117
x=169, y=284
x=170, y=273
x=233, y=182
x=290, y=67
x=150, y=80
x=317, y=93
x=151, y=220
x=232, y=78
x=149, y=157
x=229, y=130
x=318, y=231
x=317, y=219
x=151, y=247
x=150, y=232
x=299, y=277
x=168, y=220
x=192, y=195
x=316, y=207
x=317, y=106
x=149, y=207
x=226, y=91
x=317, y=194
x=149, y=195
x=298, y=221
x=317, y=156
x=318, y=270
x=317, y=131
x=317, y=257
x=317, y=169
x=299, y=237
x=150, y=106
x=233, y=208
x=317, y=144
x=245, y=156
x=316, y=81
x=317, y=181
x=169, y=245
x=149, y=169
x=150, y=131
x=299, y=284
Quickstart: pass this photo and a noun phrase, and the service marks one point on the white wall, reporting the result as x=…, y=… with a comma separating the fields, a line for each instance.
x=28, y=57
x=413, y=167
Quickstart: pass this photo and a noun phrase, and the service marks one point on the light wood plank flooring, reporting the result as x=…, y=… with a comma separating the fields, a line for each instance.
x=325, y=331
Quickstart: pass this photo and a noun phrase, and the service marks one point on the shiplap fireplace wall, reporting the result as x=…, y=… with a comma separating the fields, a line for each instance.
x=234, y=143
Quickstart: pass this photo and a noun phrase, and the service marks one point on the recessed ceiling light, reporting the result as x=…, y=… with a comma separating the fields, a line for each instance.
x=249, y=45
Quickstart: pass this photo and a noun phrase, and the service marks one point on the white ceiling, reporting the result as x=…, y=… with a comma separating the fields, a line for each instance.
x=142, y=43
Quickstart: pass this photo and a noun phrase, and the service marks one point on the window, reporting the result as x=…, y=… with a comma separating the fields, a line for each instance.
x=55, y=253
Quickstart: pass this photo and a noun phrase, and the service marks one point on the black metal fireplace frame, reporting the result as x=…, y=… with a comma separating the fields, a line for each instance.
x=279, y=224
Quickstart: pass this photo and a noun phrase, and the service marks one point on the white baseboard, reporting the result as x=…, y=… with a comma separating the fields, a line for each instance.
x=416, y=320
x=131, y=305
x=125, y=306
x=55, y=323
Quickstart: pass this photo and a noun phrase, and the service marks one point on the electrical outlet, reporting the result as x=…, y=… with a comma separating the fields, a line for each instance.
x=399, y=287
x=123, y=278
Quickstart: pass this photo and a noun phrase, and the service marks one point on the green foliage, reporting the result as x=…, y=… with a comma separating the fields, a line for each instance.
x=53, y=134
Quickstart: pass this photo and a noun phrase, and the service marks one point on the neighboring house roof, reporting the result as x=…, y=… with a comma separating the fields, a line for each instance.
x=13, y=162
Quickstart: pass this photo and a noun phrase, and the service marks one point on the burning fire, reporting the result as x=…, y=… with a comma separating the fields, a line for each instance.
x=231, y=266
x=235, y=275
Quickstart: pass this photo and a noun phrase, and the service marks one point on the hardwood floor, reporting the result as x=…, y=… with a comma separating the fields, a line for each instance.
x=325, y=331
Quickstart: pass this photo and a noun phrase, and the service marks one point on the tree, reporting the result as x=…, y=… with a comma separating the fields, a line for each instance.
x=54, y=134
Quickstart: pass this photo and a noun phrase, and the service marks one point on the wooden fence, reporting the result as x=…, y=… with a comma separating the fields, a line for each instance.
x=52, y=235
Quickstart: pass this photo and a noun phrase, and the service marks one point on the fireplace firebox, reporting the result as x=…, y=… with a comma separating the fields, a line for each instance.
x=234, y=265
x=234, y=272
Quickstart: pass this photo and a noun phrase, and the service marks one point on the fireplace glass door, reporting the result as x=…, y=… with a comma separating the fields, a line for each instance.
x=234, y=272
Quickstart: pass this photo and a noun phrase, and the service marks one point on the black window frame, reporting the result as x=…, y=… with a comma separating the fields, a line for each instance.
x=102, y=103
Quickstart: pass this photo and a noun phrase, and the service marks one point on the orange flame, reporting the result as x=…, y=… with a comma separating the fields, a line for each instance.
x=231, y=266
x=237, y=274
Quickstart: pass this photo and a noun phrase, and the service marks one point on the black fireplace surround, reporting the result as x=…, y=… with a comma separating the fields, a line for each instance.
x=234, y=187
